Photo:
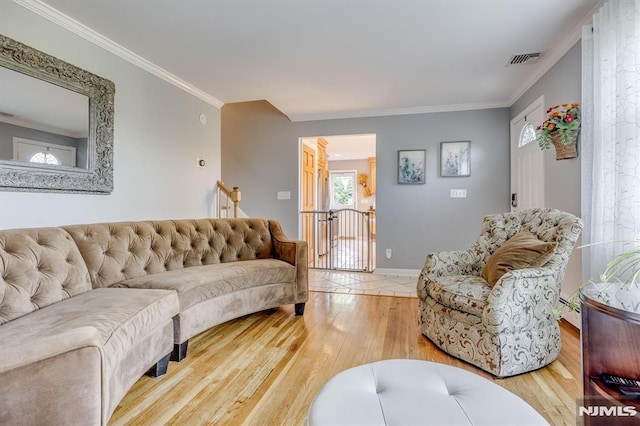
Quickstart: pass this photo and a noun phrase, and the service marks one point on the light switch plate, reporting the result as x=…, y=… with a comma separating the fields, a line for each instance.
x=458, y=193
x=284, y=195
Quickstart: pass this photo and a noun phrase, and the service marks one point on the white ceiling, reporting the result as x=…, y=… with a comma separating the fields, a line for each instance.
x=348, y=147
x=342, y=58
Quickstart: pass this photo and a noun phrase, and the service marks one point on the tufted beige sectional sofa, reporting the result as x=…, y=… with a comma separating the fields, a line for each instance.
x=85, y=310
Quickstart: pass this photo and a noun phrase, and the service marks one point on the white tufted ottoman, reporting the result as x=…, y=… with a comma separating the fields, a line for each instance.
x=412, y=392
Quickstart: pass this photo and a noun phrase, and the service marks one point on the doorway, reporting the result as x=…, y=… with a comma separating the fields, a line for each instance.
x=340, y=227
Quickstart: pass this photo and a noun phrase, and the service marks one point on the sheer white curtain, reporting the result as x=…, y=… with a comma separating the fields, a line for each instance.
x=610, y=134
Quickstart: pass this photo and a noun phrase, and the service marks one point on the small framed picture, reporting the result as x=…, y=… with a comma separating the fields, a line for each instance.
x=455, y=159
x=411, y=166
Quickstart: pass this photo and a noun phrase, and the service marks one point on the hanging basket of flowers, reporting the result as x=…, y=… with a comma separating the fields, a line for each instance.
x=561, y=130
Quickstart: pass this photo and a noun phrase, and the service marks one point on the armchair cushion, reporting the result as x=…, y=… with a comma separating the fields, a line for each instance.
x=523, y=250
x=466, y=293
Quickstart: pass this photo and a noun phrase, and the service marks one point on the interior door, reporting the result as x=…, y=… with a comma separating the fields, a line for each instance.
x=308, y=196
x=527, y=160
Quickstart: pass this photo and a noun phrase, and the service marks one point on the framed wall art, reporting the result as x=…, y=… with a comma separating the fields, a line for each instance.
x=411, y=166
x=455, y=159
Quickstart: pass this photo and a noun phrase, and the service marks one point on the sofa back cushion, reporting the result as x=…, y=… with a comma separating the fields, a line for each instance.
x=116, y=252
x=38, y=267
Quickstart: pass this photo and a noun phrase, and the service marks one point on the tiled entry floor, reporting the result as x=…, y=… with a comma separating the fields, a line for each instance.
x=362, y=283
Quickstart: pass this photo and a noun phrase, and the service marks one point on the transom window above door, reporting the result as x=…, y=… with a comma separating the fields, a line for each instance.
x=44, y=158
x=527, y=135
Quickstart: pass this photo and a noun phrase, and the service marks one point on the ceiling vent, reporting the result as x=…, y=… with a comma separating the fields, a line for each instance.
x=524, y=59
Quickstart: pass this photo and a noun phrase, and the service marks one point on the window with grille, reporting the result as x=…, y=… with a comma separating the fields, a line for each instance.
x=527, y=135
x=45, y=158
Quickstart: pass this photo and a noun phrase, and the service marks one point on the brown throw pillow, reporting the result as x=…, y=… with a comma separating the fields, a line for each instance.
x=523, y=250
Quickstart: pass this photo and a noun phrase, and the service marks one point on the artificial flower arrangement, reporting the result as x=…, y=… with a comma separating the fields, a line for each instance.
x=563, y=123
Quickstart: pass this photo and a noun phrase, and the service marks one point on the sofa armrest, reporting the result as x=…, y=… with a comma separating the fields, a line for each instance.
x=55, y=379
x=294, y=252
x=285, y=248
x=523, y=299
x=16, y=355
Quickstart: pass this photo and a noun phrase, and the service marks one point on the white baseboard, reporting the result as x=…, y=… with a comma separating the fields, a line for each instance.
x=398, y=272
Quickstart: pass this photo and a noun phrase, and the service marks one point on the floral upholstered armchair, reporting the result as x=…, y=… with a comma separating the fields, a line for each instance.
x=493, y=304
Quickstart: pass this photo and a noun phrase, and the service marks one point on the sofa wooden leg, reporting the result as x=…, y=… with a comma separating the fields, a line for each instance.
x=160, y=367
x=179, y=351
x=299, y=309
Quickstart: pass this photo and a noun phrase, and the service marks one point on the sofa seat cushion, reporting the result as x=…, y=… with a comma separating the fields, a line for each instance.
x=199, y=283
x=466, y=293
x=122, y=318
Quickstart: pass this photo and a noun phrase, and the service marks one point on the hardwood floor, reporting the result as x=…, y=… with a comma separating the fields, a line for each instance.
x=266, y=368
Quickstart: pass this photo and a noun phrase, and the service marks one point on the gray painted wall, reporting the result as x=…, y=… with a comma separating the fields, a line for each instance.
x=157, y=139
x=260, y=154
x=561, y=84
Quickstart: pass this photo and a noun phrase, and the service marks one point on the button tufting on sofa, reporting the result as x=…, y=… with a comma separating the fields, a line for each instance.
x=118, y=297
x=63, y=334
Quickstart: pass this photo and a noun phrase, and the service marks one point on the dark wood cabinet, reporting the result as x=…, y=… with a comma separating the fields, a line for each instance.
x=610, y=344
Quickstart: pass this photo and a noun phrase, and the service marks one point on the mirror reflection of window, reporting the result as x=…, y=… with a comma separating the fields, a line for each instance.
x=31, y=151
x=45, y=158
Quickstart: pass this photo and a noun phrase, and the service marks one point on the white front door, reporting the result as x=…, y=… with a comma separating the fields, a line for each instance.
x=527, y=160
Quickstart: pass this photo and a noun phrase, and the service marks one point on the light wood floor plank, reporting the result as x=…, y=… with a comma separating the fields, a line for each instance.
x=266, y=368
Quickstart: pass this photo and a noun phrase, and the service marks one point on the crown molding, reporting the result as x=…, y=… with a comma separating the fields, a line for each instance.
x=109, y=45
x=554, y=55
x=397, y=111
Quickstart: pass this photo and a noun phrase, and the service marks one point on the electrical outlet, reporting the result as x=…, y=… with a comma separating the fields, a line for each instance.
x=388, y=253
x=458, y=193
